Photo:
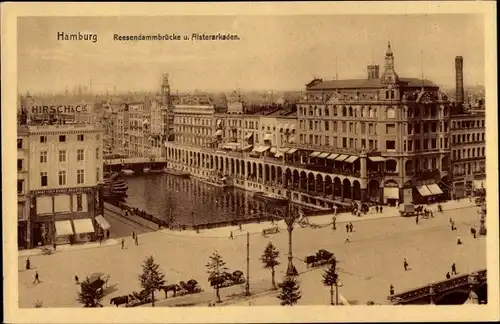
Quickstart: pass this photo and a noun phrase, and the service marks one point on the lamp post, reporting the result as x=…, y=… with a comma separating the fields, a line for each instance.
x=289, y=219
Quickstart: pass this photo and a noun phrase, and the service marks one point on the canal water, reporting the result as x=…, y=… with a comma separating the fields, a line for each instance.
x=188, y=201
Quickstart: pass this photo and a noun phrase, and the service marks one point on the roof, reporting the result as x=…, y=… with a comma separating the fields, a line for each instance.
x=368, y=83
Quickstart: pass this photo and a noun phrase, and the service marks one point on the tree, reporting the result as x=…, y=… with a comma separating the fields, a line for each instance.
x=330, y=278
x=270, y=260
x=290, y=292
x=89, y=296
x=216, y=272
x=151, y=278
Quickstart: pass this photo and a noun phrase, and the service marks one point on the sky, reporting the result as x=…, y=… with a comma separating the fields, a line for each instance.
x=274, y=52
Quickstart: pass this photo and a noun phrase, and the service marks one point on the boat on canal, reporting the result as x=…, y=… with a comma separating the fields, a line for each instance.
x=175, y=172
x=218, y=180
x=269, y=196
x=114, y=187
x=128, y=172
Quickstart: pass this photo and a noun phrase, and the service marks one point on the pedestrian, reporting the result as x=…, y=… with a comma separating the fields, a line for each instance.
x=54, y=245
x=107, y=233
x=448, y=275
x=459, y=242
x=432, y=214
x=453, y=226
x=100, y=239
x=473, y=231
x=136, y=240
x=77, y=281
x=37, y=279
x=126, y=212
x=240, y=228
x=391, y=290
x=348, y=238
x=231, y=235
x=133, y=235
x=334, y=223
x=347, y=228
x=376, y=208
x=351, y=227
x=381, y=208
x=416, y=219
x=454, y=269
x=405, y=264
x=123, y=243
x=28, y=264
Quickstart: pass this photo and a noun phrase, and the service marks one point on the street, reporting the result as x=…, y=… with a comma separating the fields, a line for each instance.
x=368, y=265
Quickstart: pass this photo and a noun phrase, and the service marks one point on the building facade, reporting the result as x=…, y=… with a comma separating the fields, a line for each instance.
x=23, y=203
x=468, y=151
x=63, y=181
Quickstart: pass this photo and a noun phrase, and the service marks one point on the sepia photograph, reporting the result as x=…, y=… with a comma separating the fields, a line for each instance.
x=267, y=160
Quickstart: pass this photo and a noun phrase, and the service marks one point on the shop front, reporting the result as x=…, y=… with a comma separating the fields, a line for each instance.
x=84, y=230
x=64, y=232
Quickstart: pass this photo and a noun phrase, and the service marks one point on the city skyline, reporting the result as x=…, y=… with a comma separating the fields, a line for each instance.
x=288, y=51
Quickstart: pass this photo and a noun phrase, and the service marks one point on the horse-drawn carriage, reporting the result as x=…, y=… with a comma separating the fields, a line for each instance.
x=97, y=280
x=227, y=279
x=322, y=257
x=408, y=210
x=183, y=288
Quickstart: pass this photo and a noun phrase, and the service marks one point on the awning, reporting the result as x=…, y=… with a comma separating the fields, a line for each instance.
x=246, y=147
x=291, y=151
x=273, y=150
x=64, y=228
x=291, y=140
x=332, y=156
x=268, y=137
x=227, y=147
x=103, y=222
x=341, y=157
x=261, y=149
x=279, y=154
x=248, y=136
x=351, y=159
x=478, y=184
x=83, y=226
x=218, y=132
x=424, y=191
x=391, y=193
x=376, y=158
x=434, y=189
x=314, y=154
x=323, y=155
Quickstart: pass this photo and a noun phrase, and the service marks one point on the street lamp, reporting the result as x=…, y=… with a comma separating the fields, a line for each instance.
x=289, y=219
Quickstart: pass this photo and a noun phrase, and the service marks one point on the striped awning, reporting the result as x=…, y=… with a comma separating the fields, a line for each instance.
x=332, y=156
x=434, y=189
x=323, y=155
x=424, y=191
x=341, y=158
x=83, y=226
x=261, y=149
x=376, y=159
x=291, y=151
x=314, y=154
x=351, y=159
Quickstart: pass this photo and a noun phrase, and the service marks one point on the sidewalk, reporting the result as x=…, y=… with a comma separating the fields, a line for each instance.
x=69, y=247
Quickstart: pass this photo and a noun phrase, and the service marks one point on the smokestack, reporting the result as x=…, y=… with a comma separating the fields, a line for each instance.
x=459, y=74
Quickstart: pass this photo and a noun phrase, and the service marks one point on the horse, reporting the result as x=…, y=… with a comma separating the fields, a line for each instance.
x=120, y=300
x=173, y=287
x=310, y=260
x=190, y=286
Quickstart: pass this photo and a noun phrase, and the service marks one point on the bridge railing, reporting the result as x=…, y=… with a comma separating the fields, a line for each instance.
x=133, y=160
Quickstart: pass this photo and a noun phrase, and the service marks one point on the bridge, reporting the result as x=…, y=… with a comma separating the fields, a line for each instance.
x=453, y=291
x=137, y=164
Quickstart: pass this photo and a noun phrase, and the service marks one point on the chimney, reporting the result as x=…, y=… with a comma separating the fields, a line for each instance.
x=373, y=72
x=459, y=75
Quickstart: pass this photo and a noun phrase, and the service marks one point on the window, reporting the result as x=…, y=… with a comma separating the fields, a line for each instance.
x=43, y=179
x=97, y=153
x=351, y=143
x=350, y=127
x=433, y=143
x=426, y=128
x=316, y=140
x=370, y=128
x=391, y=113
x=79, y=155
x=390, y=145
x=370, y=144
x=410, y=128
x=445, y=143
x=344, y=141
x=327, y=140
x=79, y=204
x=390, y=129
x=433, y=127
x=43, y=139
x=62, y=156
x=62, y=138
x=363, y=128
x=19, y=143
x=417, y=145
x=426, y=144
x=80, y=138
x=344, y=127
x=363, y=143
x=20, y=185
x=79, y=177
x=97, y=137
x=404, y=146
x=19, y=164
x=335, y=126
x=410, y=146
x=310, y=124
x=417, y=128
x=310, y=139
x=97, y=175
x=62, y=178
x=327, y=126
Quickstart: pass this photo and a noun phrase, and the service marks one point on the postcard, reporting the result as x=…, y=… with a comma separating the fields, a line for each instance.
x=250, y=162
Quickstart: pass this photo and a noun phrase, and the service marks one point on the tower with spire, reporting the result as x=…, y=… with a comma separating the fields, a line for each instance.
x=389, y=76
